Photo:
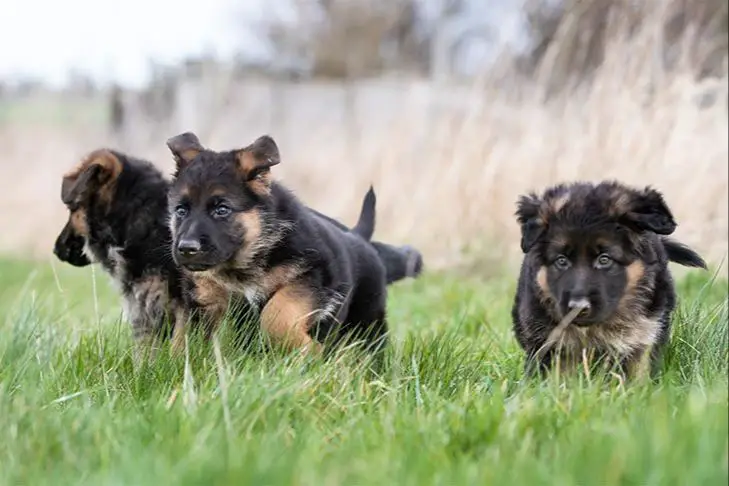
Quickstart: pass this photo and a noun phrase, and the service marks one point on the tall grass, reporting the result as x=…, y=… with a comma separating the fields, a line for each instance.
x=449, y=406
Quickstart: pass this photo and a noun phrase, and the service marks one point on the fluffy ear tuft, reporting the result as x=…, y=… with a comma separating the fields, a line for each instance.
x=257, y=158
x=528, y=216
x=95, y=174
x=648, y=211
x=184, y=147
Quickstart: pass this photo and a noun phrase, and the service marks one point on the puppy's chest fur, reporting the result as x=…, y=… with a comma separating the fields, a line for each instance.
x=146, y=299
x=216, y=289
x=621, y=335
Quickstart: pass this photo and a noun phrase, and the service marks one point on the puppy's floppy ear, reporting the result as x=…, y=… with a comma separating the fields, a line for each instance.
x=257, y=158
x=184, y=147
x=647, y=211
x=527, y=214
x=95, y=174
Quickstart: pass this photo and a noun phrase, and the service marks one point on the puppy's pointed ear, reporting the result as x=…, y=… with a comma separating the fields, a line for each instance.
x=256, y=160
x=184, y=147
x=648, y=211
x=528, y=216
x=95, y=174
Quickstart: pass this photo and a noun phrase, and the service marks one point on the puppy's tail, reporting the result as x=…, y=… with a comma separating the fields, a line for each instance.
x=400, y=261
x=682, y=254
x=365, y=226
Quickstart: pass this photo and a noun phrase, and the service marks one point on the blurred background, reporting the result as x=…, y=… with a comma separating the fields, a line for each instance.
x=451, y=108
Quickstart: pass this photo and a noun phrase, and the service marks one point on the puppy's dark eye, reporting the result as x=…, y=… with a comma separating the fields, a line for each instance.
x=603, y=261
x=562, y=263
x=221, y=211
x=180, y=211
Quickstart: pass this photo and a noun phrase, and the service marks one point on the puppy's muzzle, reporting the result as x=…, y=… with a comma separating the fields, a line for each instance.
x=69, y=248
x=191, y=255
x=583, y=306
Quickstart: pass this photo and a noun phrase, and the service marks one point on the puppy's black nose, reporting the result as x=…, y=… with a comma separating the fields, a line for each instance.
x=189, y=247
x=579, y=302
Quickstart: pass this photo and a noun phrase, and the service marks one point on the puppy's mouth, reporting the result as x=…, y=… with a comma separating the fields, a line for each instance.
x=197, y=267
x=585, y=321
x=588, y=317
x=71, y=254
x=581, y=317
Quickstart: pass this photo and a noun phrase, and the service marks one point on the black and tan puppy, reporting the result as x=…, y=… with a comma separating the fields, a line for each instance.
x=118, y=218
x=238, y=234
x=600, y=248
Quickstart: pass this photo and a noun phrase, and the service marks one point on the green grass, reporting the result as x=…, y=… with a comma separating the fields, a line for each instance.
x=450, y=407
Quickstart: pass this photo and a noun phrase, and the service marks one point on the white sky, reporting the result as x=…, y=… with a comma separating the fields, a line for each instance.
x=114, y=38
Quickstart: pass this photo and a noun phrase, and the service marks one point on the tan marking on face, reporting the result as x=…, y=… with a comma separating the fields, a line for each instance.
x=252, y=226
x=633, y=274
x=79, y=222
x=559, y=241
x=287, y=318
x=218, y=192
x=184, y=192
x=542, y=282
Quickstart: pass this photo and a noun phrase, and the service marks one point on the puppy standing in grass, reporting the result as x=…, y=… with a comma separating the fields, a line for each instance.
x=597, y=252
x=238, y=233
x=118, y=217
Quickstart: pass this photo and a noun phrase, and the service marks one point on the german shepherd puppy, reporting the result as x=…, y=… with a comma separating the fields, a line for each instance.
x=601, y=248
x=118, y=217
x=238, y=233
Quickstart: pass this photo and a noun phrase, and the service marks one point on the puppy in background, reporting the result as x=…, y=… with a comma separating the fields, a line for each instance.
x=117, y=208
x=600, y=252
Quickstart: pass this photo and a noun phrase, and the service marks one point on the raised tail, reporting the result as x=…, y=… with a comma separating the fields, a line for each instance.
x=682, y=254
x=365, y=226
